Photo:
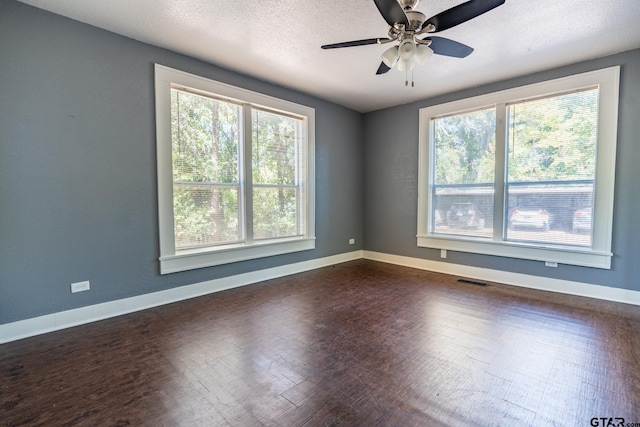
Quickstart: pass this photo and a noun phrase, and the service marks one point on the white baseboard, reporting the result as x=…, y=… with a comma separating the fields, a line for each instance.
x=80, y=316
x=517, y=279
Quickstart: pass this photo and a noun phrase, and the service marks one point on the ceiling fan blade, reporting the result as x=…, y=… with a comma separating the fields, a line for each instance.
x=351, y=43
x=382, y=68
x=392, y=12
x=461, y=13
x=447, y=47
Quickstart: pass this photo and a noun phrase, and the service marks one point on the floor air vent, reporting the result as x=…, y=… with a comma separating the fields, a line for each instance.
x=473, y=282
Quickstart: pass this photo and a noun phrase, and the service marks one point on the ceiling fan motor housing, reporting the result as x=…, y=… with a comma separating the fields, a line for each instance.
x=416, y=19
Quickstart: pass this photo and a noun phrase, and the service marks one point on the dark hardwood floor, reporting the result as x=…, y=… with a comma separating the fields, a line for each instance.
x=356, y=344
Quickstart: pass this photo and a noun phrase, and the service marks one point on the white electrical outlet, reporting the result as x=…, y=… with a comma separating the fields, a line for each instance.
x=80, y=286
x=550, y=264
x=352, y=241
x=443, y=253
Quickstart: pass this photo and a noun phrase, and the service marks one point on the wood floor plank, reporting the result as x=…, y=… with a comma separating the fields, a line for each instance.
x=356, y=344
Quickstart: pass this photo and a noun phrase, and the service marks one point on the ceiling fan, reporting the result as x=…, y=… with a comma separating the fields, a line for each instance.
x=406, y=25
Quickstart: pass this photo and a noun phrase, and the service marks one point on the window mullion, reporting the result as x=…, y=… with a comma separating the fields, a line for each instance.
x=499, y=198
x=247, y=178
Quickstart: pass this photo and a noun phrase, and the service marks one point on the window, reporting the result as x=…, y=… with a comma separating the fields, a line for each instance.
x=235, y=173
x=525, y=173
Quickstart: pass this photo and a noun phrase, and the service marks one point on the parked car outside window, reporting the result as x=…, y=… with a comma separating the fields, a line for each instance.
x=582, y=220
x=530, y=217
x=465, y=215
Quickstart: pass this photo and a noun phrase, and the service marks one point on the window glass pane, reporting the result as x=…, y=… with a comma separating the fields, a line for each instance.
x=275, y=212
x=463, y=211
x=275, y=169
x=274, y=148
x=553, y=139
x=204, y=134
x=204, y=139
x=464, y=164
x=465, y=148
x=551, y=168
x=205, y=215
x=558, y=214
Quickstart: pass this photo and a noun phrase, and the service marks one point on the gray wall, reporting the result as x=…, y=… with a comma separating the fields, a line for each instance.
x=78, y=196
x=391, y=174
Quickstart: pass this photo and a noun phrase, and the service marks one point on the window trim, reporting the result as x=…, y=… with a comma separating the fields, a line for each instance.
x=174, y=261
x=599, y=255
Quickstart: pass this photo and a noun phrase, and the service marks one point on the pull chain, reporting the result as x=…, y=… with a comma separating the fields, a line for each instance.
x=406, y=78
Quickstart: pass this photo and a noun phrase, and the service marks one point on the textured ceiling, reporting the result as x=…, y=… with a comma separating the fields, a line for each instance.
x=279, y=40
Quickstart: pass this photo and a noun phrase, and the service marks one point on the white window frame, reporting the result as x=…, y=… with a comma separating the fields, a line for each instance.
x=172, y=260
x=599, y=254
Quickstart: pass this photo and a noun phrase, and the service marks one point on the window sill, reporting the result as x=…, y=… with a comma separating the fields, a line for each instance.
x=529, y=251
x=209, y=257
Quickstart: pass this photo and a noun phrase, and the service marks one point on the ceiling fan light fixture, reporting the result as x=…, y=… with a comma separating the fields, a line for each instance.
x=390, y=56
x=405, y=64
x=423, y=53
x=407, y=49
